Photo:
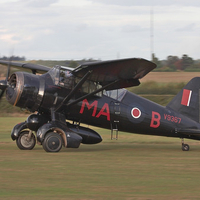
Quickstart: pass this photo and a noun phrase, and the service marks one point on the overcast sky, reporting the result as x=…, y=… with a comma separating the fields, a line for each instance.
x=99, y=29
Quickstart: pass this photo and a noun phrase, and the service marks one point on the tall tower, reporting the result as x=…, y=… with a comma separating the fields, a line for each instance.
x=152, y=32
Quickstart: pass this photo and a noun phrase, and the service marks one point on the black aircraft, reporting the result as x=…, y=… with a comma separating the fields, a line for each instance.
x=93, y=94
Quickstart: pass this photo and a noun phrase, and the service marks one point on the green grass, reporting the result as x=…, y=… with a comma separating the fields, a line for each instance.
x=155, y=88
x=134, y=167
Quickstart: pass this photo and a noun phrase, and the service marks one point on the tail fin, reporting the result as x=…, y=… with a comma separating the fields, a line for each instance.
x=187, y=101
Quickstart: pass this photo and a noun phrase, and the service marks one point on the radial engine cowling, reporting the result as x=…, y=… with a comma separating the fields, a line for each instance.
x=25, y=90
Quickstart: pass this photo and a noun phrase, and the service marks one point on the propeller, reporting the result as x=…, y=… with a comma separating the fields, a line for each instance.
x=4, y=83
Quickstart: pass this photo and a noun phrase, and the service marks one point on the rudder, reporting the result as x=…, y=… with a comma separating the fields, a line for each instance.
x=186, y=101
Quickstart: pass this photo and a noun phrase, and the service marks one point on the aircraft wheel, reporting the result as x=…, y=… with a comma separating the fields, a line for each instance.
x=52, y=142
x=185, y=147
x=24, y=142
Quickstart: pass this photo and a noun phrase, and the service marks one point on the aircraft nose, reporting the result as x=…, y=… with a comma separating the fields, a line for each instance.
x=23, y=90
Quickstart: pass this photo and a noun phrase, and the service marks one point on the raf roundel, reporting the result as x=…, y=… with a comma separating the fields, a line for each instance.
x=136, y=113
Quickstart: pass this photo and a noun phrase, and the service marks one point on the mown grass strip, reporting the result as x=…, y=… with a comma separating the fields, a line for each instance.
x=134, y=167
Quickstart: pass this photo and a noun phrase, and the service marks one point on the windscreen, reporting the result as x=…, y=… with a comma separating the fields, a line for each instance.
x=115, y=94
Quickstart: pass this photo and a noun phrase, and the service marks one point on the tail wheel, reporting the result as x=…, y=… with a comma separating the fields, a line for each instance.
x=52, y=142
x=26, y=142
x=185, y=147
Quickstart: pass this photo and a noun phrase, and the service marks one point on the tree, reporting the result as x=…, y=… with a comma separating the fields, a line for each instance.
x=171, y=60
x=186, y=62
x=73, y=64
x=13, y=58
x=156, y=61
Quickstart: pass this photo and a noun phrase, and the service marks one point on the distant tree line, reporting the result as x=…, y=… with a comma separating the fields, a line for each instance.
x=15, y=58
x=170, y=64
x=174, y=63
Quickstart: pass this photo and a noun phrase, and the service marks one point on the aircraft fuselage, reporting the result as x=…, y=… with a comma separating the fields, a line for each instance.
x=132, y=114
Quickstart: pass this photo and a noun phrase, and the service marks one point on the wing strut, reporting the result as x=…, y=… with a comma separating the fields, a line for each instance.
x=80, y=83
x=92, y=93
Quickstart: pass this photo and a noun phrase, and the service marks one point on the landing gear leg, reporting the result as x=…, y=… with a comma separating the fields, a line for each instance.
x=185, y=147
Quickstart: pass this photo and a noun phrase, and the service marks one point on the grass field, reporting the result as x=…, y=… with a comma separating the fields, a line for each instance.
x=168, y=77
x=134, y=167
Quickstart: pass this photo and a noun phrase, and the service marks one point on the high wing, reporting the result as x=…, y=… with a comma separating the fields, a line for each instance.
x=125, y=72
x=113, y=74
x=35, y=68
x=103, y=72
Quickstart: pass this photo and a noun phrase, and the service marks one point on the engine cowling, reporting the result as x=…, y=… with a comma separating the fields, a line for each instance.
x=25, y=90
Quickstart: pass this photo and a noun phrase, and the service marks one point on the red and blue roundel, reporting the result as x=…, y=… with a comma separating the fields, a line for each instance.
x=136, y=113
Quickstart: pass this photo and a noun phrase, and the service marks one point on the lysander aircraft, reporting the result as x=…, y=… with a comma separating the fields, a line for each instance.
x=61, y=98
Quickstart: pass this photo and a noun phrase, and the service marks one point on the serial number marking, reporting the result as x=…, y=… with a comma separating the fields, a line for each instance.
x=172, y=118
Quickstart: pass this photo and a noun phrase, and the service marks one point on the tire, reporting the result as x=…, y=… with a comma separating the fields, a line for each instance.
x=24, y=143
x=185, y=147
x=52, y=142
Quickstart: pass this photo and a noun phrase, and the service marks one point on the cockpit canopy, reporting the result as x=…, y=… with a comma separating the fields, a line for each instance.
x=63, y=77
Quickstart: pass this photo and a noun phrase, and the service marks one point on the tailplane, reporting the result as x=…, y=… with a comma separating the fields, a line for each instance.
x=186, y=101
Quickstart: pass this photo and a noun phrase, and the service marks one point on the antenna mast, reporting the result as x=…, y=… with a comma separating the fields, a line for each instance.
x=152, y=32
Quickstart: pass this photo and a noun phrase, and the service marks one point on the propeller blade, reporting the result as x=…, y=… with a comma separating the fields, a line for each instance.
x=2, y=93
x=3, y=84
x=8, y=71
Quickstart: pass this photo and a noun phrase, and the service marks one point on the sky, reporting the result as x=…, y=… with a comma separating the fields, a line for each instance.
x=99, y=29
